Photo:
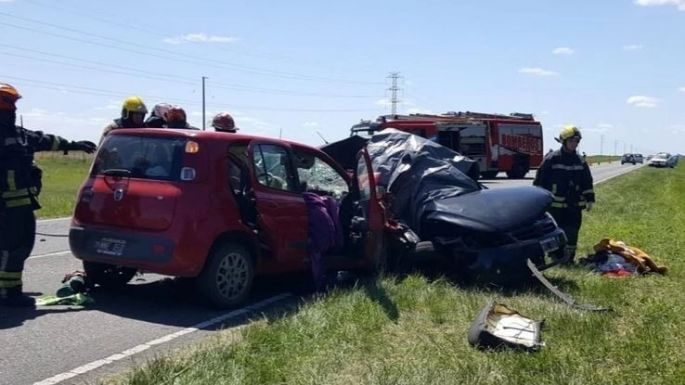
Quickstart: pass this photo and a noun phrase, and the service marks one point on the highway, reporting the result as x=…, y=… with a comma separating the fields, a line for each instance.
x=152, y=315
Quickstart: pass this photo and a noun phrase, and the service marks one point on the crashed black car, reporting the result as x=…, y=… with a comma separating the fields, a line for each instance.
x=432, y=208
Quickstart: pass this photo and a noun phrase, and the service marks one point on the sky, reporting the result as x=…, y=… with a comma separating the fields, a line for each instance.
x=307, y=70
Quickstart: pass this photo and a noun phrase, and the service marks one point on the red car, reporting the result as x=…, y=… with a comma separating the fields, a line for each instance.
x=216, y=206
x=225, y=207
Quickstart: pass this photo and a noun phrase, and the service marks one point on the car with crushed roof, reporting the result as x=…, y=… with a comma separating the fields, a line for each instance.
x=223, y=208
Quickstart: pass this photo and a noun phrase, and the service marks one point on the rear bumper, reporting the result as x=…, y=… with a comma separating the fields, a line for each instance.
x=115, y=247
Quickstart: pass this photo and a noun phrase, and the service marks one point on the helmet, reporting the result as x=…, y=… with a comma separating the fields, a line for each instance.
x=160, y=109
x=223, y=121
x=133, y=104
x=8, y=97
x=175, y=114
x=568, y=132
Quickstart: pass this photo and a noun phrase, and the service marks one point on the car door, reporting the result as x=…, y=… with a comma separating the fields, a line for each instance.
x=281, y=210
x=369, y=213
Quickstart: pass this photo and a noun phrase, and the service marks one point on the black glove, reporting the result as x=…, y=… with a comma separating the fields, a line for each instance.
x=82, y=145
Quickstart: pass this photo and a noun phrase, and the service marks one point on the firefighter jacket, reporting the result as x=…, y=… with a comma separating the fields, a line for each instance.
x=568, y=177
x=20, y=178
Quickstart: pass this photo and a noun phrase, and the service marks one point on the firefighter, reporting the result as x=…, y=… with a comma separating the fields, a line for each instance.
x=224, y=122
x=133, y=113
x=568, y=177
x=175, y=117
x=156, y=118
x=19, y=188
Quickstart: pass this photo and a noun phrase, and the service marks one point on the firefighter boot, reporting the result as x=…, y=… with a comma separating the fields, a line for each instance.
x=569, y=254
x=14, y=297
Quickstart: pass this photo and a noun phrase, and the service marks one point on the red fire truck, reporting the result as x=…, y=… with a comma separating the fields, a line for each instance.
x=510, y=143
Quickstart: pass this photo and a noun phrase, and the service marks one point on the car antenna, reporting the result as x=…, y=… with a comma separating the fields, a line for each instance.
x=321, y=136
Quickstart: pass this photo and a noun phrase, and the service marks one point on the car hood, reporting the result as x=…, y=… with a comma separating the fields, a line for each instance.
x=490, y=211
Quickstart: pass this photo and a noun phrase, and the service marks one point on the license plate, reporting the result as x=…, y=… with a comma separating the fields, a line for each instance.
x=110, y=246
x=550, y=244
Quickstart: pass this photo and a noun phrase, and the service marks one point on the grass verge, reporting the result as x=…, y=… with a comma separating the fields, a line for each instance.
x=413, y=330
x=62, y=177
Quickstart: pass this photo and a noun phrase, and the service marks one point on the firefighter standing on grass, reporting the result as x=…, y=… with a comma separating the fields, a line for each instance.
x=19, y=187
x=568, y=177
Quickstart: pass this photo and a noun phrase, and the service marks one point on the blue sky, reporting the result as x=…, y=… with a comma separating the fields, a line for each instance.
x=298, y=68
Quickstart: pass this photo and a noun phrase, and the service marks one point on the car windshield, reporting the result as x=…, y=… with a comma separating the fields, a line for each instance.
x=140, y=157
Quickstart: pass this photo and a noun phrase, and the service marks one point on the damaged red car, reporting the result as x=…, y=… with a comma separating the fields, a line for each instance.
x=223, y=208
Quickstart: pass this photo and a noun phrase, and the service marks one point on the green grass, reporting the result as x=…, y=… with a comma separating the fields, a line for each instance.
x=413, y=330
x=598, y=159
x=62, y=177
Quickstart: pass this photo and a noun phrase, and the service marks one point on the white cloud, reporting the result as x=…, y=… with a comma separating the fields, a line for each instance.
x=632, y=47
x=563, y=51
x=643, y=101
x=419, y=110
x=678, y=128
x=536, y=71
x=682, y=89
x=680, y=4
x=6, y=1
x=382, y=102
x=200, y=38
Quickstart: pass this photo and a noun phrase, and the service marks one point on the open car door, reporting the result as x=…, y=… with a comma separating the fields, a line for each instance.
x=368, y=220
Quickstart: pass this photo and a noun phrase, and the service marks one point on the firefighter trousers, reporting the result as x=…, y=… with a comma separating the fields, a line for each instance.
x=569, y=220
x=17, y=236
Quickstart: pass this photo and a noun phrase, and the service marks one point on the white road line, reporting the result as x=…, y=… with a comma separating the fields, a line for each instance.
x=142, y=347
x=50, y=254
x=52, y=219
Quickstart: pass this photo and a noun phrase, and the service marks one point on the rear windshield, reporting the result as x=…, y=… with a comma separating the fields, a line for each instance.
x=140, y=157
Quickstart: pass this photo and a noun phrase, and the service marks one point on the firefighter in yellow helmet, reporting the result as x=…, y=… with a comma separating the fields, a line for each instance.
x=133, y=112
x=567, y=176
x=20, y=182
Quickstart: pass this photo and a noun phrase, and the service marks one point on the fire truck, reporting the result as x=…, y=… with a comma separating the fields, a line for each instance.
x=510, y=143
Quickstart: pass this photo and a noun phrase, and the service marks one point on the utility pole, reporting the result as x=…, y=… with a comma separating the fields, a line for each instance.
x=203, y=103
x=615, y=147
x=393, y=91
x=601, y=145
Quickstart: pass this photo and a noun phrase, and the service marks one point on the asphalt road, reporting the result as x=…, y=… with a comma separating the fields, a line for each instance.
x=155, y=314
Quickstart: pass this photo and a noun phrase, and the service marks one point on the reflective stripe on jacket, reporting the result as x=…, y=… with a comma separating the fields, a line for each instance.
x=567, y=176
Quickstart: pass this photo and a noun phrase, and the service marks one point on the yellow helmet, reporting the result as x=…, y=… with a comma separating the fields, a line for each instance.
x=133, y=104
x=568, y=132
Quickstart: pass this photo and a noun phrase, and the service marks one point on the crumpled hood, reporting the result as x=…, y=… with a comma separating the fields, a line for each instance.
x=496, y=210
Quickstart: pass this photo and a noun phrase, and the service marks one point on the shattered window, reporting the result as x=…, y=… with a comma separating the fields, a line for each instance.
x=318, y=176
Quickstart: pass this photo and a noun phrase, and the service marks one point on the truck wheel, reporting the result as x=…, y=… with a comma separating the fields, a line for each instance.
x=519, y=169
x=106, y=275
x=227, y=277
x=489, y=174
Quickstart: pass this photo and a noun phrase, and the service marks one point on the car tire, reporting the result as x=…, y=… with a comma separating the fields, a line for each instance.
x=520, y=168
x=226, y=279
x=489, y=174
x=106, y=275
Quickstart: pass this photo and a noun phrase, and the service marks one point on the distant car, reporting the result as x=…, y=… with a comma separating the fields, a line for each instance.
x=638, y=158
x=627, y=158
x=662, y=159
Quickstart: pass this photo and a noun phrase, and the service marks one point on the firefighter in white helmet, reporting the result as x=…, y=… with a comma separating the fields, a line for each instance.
x=567, y=176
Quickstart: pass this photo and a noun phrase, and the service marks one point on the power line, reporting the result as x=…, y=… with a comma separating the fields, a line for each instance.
x=135, y=72
x=103, y=92
x=177, y=56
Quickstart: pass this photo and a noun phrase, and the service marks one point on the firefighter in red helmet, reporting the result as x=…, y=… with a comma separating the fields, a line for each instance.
x=224, y=122
x=20, y=182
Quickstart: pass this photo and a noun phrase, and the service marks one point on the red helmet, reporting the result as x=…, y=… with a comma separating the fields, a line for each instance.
x=175, y=114
x=223, y=121
x=8, y=97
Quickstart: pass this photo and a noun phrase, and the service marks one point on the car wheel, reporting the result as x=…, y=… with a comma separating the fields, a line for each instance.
x=106, y=275
x=227, y=277
x=489, y=174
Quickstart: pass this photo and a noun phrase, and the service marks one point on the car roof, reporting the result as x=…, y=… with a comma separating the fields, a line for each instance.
x=205, y=135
